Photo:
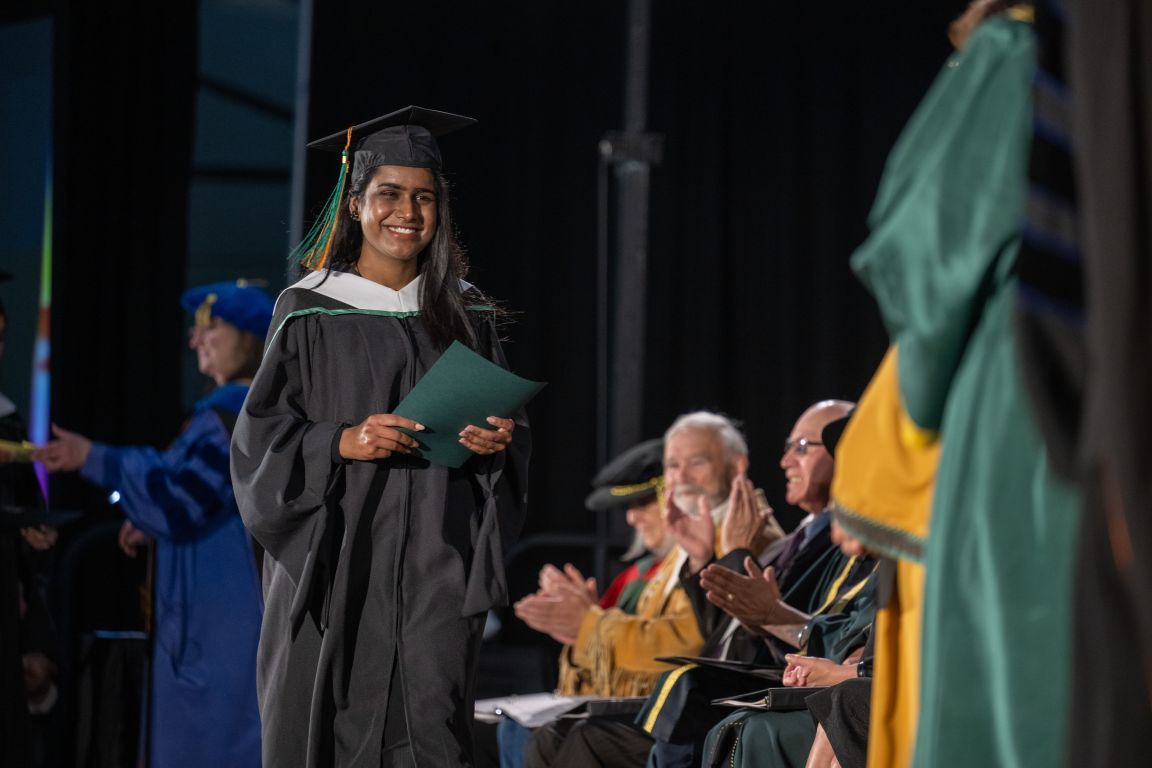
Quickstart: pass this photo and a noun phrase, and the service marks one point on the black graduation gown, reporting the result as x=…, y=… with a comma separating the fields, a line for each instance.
x=376, y=573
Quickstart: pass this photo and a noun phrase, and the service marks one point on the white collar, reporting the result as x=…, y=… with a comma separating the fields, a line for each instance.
x=362, y=293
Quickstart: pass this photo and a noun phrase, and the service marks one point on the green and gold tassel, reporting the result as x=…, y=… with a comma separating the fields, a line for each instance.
x=312, y=251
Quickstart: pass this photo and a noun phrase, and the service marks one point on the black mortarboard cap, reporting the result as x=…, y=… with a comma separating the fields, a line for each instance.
x=405, y=137
x=634, y=474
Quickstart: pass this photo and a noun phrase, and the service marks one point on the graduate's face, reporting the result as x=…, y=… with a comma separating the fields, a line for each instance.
x=397, y=213
x=648, y=520
x=808, y=475
x=221, y=350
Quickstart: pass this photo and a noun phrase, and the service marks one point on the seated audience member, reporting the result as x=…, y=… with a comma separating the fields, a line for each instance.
x=835, y=644
x=634, y=483
x=705, y=458
x=807, y=466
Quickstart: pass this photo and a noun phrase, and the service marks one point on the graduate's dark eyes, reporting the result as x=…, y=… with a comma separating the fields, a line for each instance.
x=389, y=193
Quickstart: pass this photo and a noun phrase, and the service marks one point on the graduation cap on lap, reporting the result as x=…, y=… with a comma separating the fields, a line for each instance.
x=405, y=137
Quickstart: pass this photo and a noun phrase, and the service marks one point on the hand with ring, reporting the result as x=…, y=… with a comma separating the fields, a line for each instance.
x=752, y=599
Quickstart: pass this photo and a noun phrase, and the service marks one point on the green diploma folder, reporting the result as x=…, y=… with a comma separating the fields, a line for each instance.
x=461, y=388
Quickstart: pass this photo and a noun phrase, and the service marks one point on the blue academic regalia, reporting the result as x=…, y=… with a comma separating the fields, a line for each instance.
x=208, y=602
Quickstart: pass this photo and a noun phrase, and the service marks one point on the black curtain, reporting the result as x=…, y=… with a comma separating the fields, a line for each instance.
x=125, y=94
x=124, y=85
x=775, y=135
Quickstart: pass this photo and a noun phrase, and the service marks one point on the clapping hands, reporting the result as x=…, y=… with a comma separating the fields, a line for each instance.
x=558, y=607
x=747, y=525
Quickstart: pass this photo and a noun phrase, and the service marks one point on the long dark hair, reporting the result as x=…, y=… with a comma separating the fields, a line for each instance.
x=443, y=264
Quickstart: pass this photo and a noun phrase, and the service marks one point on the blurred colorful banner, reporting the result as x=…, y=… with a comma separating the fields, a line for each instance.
x=39, y=419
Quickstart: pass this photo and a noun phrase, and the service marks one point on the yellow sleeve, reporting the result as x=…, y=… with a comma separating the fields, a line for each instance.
x=885, y=470
x=619, y=649
x=578, y=653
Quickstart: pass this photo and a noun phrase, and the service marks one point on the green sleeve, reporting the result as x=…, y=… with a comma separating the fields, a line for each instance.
x=945, y=223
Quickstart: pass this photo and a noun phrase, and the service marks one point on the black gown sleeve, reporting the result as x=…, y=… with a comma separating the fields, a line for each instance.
x=503, y=480
x=283, y=465
x=710, y=618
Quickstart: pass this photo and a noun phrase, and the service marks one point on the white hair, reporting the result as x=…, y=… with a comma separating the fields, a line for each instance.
x=730, y=436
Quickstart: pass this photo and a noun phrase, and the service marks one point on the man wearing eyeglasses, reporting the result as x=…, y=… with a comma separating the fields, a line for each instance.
x=756, y=599
x=822, y=638
x=808, y=471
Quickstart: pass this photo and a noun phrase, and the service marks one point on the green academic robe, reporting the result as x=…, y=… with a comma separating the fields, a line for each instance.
x=940, y=261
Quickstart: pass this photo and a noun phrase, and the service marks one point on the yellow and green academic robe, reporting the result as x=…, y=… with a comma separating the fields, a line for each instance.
x=999, y=545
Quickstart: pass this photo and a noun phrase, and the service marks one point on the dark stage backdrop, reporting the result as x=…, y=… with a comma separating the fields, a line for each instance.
x=775, y=135
x=124, y=86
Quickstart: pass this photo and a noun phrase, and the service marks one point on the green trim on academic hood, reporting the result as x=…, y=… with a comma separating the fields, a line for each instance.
x=358, y=311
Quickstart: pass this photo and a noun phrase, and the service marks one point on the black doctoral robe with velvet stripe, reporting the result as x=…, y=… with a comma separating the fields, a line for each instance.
x=377, y=574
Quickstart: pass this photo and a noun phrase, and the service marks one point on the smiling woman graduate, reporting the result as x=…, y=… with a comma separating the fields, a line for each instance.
x=380, y=566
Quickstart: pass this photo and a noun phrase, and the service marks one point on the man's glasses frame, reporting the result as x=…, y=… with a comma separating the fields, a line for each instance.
x=801, y=445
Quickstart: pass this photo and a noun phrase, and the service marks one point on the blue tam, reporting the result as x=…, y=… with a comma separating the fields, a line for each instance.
x=241, y=304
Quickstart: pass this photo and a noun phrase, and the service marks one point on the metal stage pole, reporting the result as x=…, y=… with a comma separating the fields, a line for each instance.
x=626, y=158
